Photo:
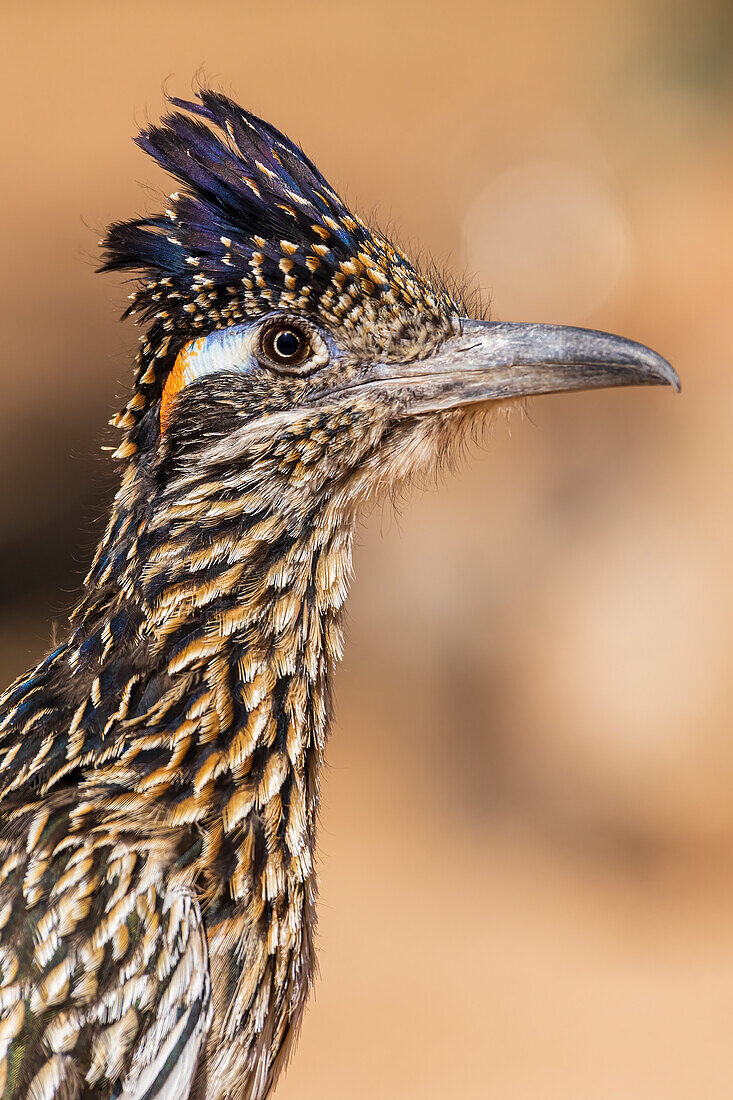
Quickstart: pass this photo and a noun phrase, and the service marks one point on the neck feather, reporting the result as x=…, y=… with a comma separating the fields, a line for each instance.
x=197, y=671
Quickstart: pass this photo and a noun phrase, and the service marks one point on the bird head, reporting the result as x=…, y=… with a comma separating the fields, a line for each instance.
x=283, y=331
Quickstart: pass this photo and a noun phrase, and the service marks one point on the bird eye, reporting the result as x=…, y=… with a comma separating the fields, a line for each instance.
x=292, y=348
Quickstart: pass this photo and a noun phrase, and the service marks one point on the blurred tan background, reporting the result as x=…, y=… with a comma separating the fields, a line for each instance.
x=527, y=836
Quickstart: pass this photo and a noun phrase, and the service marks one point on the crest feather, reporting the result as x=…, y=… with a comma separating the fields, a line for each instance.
x=241, y=179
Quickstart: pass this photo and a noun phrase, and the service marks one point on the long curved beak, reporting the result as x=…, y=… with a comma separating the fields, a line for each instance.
x=497, y=360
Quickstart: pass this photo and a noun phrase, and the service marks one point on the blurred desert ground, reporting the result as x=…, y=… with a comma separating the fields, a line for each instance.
x=527, y=835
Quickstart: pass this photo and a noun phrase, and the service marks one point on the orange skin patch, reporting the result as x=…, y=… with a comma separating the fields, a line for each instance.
x=178, y=378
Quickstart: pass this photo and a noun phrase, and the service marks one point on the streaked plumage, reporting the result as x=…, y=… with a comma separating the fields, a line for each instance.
x=159, y=770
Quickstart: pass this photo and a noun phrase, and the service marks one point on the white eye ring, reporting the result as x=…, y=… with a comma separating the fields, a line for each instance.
x=290, y=345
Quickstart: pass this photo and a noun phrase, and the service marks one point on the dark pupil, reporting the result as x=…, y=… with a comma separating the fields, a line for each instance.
x=287, y=344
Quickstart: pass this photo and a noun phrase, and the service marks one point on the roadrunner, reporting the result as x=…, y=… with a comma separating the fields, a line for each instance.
x=160, y=769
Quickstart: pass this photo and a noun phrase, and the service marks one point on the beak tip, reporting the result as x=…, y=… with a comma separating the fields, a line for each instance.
x=668, y=376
